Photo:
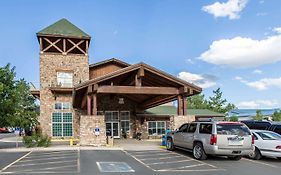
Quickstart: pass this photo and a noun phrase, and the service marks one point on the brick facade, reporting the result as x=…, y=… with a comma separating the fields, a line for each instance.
x=88, y=124
x=49, y=65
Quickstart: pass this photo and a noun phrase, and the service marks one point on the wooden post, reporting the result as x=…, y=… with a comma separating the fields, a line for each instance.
x=180, y=105
x=64, y=47
x=41, y=45
x=89, y=104
x=184, y=105
x=87, y=47
x=95, y=112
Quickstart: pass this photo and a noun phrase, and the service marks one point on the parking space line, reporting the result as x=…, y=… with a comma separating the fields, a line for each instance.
x=48, y=156
x=49, y=168
x=203, y=170
x=138, y=160
x=19, y=159
x=54, y=158
x=43, y=163
x=258, y=162
x=161, y=158
x=78, y=160
x=182, y=167
x=178, y=161
x=143, y=155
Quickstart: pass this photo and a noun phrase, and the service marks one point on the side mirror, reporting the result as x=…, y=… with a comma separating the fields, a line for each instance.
x=177, y=130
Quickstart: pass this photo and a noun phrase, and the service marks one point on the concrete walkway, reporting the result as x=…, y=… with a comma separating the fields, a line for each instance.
x=134, y=145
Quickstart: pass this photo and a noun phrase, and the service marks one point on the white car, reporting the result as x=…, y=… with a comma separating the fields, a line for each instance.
x=267, y=143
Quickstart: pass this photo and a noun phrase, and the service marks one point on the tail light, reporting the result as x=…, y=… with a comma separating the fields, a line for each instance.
x=213, y=139
x=253, y=139
x=278, y=147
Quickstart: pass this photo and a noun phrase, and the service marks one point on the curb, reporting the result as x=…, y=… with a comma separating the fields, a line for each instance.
x=59, y=149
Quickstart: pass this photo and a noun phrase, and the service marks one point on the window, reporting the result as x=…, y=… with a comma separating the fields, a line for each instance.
x=125, y=121
x=156, y=127
x=65, y=79
x=192, y=128
x=233, y=129
x=62, y=105
x=183, y=128
x=205, y=128
x=111, y=116
x=62, y=124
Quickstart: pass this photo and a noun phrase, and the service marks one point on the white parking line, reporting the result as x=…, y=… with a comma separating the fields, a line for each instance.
x=161, y=158
x=47, y=156
x=51, y=158
x=43, y=163
x=262, y=163
x=183, y=167
x=178, y=161
x=6, y=167
x=160, y=154
x=48, y=168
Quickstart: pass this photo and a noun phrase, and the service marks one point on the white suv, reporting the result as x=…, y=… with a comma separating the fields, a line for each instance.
x=232, y=139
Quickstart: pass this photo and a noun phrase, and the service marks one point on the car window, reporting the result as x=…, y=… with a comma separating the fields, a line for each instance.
x=205, y=128
x=192, y=128
x=233, y=129
x=269, y=135
x=261, y=125
x=183, y=128
x=277, y=129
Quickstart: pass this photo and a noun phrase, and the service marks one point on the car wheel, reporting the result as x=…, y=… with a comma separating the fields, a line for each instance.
x=198, y=152
x=234, y=157
x=256, y=154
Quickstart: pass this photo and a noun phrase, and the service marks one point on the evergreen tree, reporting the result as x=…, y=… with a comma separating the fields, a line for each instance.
x=258, y=116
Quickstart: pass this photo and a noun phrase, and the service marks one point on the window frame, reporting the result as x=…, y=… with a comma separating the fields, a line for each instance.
x=156, y=127
x=62, y=122
x=62, y=105
x=61, y=79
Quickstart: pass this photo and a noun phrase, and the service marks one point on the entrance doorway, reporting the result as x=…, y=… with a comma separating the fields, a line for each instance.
x=112, y=129
x=117, y=123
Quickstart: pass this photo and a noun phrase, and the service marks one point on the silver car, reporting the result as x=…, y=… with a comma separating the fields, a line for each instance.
x=267, y=143
x=232, y=139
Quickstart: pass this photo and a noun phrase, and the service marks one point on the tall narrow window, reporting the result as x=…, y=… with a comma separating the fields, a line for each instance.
x=65, y=79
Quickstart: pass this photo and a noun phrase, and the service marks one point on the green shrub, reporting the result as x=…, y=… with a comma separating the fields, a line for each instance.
x=37, y=140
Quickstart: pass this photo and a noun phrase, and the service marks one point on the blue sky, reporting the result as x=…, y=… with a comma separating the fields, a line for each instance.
x=232, y=44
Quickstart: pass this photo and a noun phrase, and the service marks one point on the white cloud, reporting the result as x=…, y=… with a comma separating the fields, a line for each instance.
x=190, y=61
x=244, y=52
x=203, y=81
x=255, y=104
x=262, y=84
x=261, y=14
x=257, y=71
x=277, y=30
x=230, y=9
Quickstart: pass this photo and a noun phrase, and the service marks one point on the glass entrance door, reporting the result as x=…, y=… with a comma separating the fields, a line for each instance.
x=112, y=129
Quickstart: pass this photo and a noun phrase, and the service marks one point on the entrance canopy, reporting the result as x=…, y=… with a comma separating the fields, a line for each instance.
x=141, y=83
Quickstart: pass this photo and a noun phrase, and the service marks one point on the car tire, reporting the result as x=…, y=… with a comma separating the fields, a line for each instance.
x=170, y=144
x=256, y=155
x=199, y=152
x=279, y=158
x=234, y=157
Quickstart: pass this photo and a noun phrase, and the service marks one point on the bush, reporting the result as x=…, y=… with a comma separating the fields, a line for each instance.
x=37, y=140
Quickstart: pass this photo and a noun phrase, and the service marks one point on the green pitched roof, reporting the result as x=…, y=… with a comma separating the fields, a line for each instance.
x=63, y=28
x=172, y=110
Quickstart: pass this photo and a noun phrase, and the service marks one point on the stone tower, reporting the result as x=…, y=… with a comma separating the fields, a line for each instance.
x=63, y=64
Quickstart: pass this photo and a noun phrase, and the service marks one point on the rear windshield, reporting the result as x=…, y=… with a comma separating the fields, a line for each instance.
x=232, y=129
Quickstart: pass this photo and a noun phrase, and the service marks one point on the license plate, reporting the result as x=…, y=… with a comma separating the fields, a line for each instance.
x=235, y=142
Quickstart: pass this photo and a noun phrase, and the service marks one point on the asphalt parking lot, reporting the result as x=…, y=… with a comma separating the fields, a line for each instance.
x=111, y=162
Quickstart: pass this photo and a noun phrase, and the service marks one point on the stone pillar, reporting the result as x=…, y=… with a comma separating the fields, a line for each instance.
x=88, y=124
x=177, y=121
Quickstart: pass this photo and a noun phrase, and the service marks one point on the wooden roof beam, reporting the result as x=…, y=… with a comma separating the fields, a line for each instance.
x=137, y=90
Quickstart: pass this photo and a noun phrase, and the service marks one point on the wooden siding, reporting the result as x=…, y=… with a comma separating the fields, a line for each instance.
x=103, y=70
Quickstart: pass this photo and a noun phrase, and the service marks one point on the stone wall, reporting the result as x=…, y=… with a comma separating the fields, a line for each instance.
x=49, y=65
x=88, y=123
x=177, y=121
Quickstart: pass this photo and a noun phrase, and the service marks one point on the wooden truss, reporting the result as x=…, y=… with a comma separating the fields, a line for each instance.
x=63, y=45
